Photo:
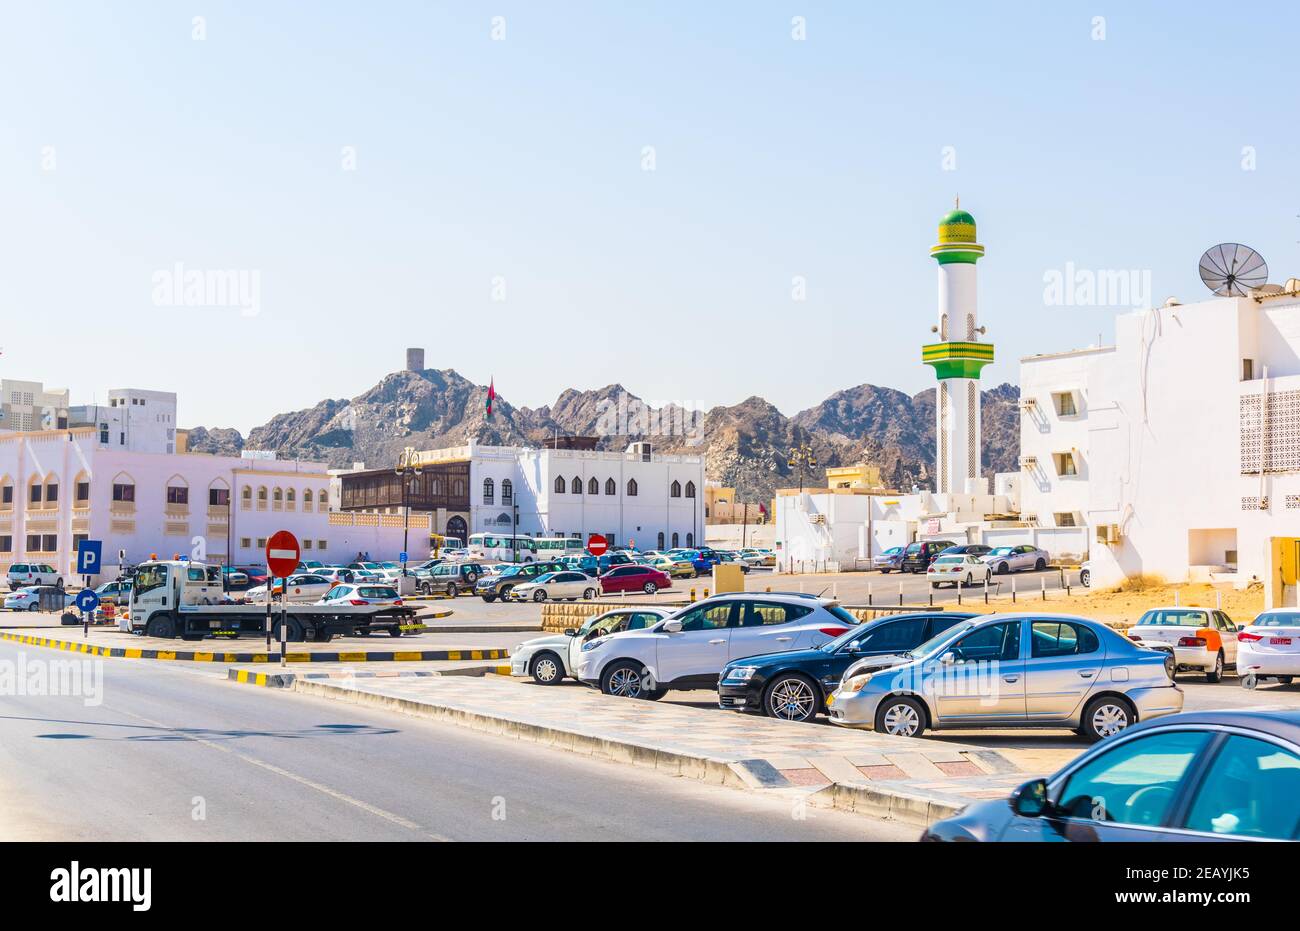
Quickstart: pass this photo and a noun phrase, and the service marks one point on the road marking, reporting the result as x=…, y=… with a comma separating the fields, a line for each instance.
x=301, y=780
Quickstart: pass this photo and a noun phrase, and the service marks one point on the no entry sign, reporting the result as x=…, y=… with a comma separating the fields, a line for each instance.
x=597, y=545
x=282, y=553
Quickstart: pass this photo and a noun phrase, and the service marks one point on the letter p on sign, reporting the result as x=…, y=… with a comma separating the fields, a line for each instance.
x=88, y=556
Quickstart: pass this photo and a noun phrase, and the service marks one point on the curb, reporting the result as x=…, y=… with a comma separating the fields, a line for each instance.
x=282, y=680
x=392, y=656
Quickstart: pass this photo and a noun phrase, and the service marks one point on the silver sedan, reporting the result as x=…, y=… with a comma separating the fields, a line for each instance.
x=1019, y=670
x=1004, y=559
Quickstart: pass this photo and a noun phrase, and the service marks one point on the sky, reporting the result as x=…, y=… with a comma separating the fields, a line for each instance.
x=702, y=202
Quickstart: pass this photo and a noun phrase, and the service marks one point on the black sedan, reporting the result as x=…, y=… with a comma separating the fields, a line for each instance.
x=794, y=685
x=1198, y=776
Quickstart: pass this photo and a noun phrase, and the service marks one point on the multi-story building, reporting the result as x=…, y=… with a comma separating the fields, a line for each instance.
x=133, y=419
x=26, y=405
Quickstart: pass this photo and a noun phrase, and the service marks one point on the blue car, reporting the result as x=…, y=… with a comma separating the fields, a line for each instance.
x=794, y=685
x=891, y=560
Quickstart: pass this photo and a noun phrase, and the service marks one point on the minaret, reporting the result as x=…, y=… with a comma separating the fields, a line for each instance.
x=958, y=356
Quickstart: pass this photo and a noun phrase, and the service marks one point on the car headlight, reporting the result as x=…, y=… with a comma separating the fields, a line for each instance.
x=856, y=683
x=741, y=673
x=515, y=651
x=592, y=644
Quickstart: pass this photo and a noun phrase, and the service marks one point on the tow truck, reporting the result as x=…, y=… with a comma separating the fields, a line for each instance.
x=181, y=598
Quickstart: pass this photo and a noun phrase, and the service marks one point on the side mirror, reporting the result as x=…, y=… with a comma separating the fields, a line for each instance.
x=673, y=627
x=1240, y=628
x=570, y=631
x=1030, y=800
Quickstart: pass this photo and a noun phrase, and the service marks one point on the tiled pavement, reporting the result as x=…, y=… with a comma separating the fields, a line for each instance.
x=915, y=780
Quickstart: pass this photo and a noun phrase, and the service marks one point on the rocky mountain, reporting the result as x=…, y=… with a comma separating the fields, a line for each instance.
x=745, y=445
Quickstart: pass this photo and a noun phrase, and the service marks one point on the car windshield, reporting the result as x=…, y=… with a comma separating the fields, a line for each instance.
x=147, y=578
x=1000, y=551
x=1277, y=619
x=940, y=639
x=1173, y=617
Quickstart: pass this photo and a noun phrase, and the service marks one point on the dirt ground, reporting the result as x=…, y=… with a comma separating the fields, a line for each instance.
x=1127, y=603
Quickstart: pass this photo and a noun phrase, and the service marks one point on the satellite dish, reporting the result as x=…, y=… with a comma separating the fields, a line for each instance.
x=1231, y=269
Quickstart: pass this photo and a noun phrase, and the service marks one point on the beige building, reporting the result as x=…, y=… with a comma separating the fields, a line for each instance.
x=721, y=507
x=862, y=475
x=27, y=406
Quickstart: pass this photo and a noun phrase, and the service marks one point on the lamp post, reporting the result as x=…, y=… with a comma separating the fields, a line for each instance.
x=802, y=457
x=408, y=470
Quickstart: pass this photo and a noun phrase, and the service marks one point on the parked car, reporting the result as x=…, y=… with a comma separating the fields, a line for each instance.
x=1269, y=647
x=363, y=594
x=958, y=570
x=918, y=556
x=758, y=558
x=1085, y=575
x=22, y=574
x=549, y=660
x=889, y=560
x=688, y=649
x=557, y=586
x=646, y=579
x=731, y=559
x=28, y=598
x=968, y=549
x=303, y=589
x=1203, y=639
x=115, y=593
x=1198, y=776
x=451, y=578
x=1006, y=559
x=674, y=567
x=1018, y=670
x=309, y=565
x=793, y=684
x=493, y=586
x=233, y=578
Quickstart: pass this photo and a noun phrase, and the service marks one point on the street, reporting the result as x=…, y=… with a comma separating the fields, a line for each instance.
x=181, y=754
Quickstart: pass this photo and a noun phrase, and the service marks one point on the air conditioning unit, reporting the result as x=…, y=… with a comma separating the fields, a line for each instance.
x=817, y=518
x=1028, y=462
x=1028, y=404
x=1108, y=534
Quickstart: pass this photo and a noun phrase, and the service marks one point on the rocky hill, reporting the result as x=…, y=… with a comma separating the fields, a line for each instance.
x=744, y=445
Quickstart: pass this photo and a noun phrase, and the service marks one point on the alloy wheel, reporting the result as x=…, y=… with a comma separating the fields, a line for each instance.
x=625, y=682
x=791, y=699
x=901, y=720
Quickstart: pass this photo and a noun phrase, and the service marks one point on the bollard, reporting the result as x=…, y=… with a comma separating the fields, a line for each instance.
x=706, y=593
x=692, y=593
x=868, y=593
x=1043, y=582
x=931, y=598
x=986, y=589
x=959, y=586
x=1013, y=589
x=767, y=589
x=900, y=594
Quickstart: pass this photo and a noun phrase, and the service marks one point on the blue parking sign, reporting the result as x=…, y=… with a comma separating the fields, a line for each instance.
x=401, y=557
x=88, y=556
x=87, y=600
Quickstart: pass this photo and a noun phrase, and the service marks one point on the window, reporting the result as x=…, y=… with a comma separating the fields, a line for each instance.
x=6, y=544
x=593, y=486
x=307, y=497
x=49, y=543
x=1054, y=638
x=261, y=543
x=103, y=434
x=1247, y=369
x=659, y=545
x=83, y=491
x=690, y=490
x=576, y=487
x=52, y=493
x=1251, y=790
x=507, y=491
x=219, y=497
x=320, y=545
x=1135, y=783
x=35, y=493
x=489, y=491
x=893, y=636
x=675, y=489
x=559, y=484
x=763, y=614
x=1064, y=518
x=690, y=539
x=306, y=544
x=261, y=498
x=1065, y=464
x=33, y=542
x=290, y=498
x=1065, y=406
x=7, y=494
x=177, y=495
x=996, y=642
x=631, y=488
x=246, y=542
x=708, y=617
x=674, y=541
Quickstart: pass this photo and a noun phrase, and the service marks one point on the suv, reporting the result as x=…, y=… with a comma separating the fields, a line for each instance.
x=492, y=587
x=918, y=556
x=22, y=574
x=689, y=649
x=451, y=578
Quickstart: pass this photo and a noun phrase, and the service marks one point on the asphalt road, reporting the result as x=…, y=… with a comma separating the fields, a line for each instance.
x=178, y=754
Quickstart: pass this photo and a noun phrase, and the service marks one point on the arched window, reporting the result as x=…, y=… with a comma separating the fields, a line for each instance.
x=458, y=488
x=631, y=488
x=6, y=494
x=690, y=540
x=675, y=489
x=246, y=497
x=593, y=486
x=576, y=487
x=51, y=491
x=219, y=494
x=277, y=499
x=674, y=541
x=507, y=491
x=661, y=541
x=261, y=498
x=690, y=489
x=559, y=484
x=290, y=499
x=489, y=491
x=123, y=492
x=307, y=497
x=178, y=492
x=611, y=487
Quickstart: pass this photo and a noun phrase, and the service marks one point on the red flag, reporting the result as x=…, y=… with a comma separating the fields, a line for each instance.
x=492, y=396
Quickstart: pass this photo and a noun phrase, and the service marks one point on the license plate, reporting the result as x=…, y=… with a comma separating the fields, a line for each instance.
x=1280, y=641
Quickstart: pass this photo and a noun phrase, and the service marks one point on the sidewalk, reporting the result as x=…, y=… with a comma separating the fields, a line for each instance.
x=916, y=781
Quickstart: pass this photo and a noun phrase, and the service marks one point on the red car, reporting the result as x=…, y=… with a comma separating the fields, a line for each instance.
x=634, y=578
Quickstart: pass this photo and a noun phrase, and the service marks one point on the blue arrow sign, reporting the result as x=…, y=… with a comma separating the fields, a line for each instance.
x=86, y=600
x=88, y=556
x=401, y=557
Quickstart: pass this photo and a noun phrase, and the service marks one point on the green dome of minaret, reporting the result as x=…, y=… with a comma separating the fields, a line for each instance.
x=957, y=238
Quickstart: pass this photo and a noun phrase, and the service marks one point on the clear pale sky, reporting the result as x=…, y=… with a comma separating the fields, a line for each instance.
x=522, y=159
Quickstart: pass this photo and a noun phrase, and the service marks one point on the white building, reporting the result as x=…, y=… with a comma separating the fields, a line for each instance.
x=27, y=405
x=1178, y=447
x=133, y=419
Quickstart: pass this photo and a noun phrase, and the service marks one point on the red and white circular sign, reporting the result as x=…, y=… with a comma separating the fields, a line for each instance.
x=282, y=553
x=597, y=545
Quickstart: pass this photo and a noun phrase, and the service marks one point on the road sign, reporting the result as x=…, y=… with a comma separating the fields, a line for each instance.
x=88, y=556
x=597, y=545
x=282, y=553
x=86, y=600
x=401, y=557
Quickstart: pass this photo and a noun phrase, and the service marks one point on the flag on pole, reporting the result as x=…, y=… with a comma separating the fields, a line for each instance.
x=491, y=396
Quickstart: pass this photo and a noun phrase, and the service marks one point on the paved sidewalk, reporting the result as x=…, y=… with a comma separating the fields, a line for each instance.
x=913, y=780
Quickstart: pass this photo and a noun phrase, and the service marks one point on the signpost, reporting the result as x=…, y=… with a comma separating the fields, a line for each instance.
x=597, y=545
x=86, y=601
x=282, y=557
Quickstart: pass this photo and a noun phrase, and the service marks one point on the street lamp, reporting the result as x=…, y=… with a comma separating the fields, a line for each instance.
x=408, y=470
x=802, y=457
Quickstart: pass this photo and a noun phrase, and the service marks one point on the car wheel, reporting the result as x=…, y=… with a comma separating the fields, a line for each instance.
x=1105, y=717
x=539, y=595
x=1040, y=565
x=162, y=626
x=547, y=669
x=1085, y=577
x=1216, y=674
x=1003, y=568
x=649, y=588
x=884, y=572
x=969, y=580
x=426, y=588
x=900, y=716
x=451, y=591
x=792, y=697
x=588, y=594
x=626, y=679
x=33, y=606
x=489, y=598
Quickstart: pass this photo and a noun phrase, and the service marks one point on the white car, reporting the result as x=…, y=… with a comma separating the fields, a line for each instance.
x=1085, y=575
x=1269, y=647
x=958, y=571
x=549, y=660
x=363, y=594
x=303, y=589
x=688, y=649
x=29, y=598
x=557, y=586
x=22, y=574
x=1203, y=639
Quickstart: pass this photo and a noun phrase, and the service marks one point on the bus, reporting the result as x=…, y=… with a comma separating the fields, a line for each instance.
x=503, y=547
x=559, y=547
x=438, y=543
